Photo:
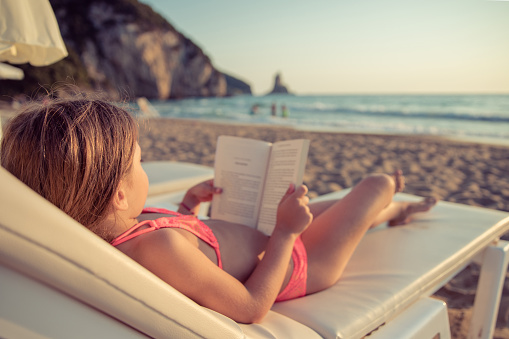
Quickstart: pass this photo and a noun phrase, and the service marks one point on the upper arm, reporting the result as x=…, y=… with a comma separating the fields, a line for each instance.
x=175, y=260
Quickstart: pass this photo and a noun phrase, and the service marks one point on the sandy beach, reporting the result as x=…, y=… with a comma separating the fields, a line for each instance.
x=462, y=172
x=467, y=173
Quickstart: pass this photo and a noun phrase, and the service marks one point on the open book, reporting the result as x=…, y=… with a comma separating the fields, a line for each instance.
x=254, y=176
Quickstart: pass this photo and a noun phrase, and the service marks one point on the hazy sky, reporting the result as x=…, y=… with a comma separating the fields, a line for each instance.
x=352, y=46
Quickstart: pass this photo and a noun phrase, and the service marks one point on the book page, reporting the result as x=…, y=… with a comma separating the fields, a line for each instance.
x=240, y=168
x=286, y=165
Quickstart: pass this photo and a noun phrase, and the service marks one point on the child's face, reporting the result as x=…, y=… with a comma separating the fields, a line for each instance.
x=138, y=188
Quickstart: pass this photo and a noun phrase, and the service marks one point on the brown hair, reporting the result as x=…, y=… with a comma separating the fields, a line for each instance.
x=73, y=152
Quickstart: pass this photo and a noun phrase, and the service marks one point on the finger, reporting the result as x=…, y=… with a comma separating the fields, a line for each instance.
x=305, y=200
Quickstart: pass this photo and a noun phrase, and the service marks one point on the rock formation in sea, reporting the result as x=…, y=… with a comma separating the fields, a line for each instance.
x=123, y=46
x=279, y=88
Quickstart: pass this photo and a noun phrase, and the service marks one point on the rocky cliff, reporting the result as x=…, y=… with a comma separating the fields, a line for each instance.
x=235, y=86
x=123, y=46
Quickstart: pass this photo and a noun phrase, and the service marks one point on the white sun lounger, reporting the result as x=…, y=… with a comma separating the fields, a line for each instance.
x=57, y=279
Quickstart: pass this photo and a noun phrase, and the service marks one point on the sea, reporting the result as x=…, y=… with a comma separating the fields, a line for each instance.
x=477, y=118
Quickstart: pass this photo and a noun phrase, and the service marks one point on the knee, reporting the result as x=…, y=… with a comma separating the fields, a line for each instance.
x=380, y=183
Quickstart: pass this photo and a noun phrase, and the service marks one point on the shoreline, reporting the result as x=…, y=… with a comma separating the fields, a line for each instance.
x=463, y=139
x=492, y=141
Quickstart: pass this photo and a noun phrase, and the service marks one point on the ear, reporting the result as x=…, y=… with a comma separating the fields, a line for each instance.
x=119, y=201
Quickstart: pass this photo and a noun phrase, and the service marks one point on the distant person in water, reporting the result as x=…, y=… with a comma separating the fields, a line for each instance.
x=284, y=112
x=83, y=156
x=273, y=110
x=254, y=109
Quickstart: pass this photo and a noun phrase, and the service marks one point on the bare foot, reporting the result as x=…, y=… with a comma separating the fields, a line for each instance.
x=399, y=180
x=412, y=208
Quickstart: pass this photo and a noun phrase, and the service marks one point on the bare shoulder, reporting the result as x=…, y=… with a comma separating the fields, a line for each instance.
x=162, y=245
x=168, y=254
x=174, y=259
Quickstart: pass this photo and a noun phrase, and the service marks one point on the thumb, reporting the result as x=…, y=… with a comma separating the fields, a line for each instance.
x=301, y=191
x=211, y=188
x=289, y=191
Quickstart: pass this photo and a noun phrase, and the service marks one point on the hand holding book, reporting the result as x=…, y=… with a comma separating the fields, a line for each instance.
x=293, y=213
x=202, y=192
x=254, y=176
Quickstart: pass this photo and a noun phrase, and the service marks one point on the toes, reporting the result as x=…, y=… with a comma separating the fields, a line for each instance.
x=427, y=203
x=406, y=216
x=431, y=201
x=398, y=222
x=399, y=180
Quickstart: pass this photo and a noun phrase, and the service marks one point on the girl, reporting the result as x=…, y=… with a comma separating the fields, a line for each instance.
x=83, y=156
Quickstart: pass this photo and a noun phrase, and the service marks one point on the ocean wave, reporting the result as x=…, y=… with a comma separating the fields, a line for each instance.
x=404, y=113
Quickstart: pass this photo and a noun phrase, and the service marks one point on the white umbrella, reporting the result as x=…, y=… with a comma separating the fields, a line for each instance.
x=10, y=72
x=29, y=33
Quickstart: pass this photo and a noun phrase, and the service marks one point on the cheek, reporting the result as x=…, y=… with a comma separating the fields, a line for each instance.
x=146, y=183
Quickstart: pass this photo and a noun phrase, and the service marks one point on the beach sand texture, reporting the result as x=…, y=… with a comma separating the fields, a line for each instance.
x=467, y=173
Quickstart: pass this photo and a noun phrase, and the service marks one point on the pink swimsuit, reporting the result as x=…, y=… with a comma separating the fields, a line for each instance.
x=296, y=286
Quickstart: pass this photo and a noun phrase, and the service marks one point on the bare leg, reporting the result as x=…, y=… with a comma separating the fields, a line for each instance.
x=335, y=232
x=402, y=212
x=399, y=180
x=339, y=225
x=318, y=208
x=396, y=213
x=399, y=213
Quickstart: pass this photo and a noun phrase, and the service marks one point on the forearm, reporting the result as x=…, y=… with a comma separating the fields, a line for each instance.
x=189, y=205
x=293, y=218
x=250, y=301
x=266, y=280
x=197, y=194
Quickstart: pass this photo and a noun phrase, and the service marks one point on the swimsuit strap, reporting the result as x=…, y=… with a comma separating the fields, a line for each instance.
x=131, y=233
